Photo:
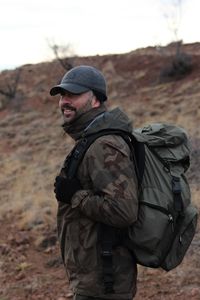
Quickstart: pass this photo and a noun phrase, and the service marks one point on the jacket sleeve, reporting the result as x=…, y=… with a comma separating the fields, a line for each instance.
x=110, y=195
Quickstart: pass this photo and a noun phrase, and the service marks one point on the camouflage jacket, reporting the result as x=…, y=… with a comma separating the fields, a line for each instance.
x=109, y=196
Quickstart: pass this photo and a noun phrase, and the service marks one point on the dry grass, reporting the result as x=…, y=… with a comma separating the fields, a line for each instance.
x=32, y=143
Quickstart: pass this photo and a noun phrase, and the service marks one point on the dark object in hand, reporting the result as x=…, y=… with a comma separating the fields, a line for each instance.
x=65, y=188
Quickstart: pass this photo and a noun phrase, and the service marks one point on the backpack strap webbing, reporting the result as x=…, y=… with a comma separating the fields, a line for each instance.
x=106, y=241
x=75, y=157
x=176, y=189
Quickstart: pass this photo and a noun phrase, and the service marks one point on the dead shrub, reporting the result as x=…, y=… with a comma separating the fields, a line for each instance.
x=179, y=67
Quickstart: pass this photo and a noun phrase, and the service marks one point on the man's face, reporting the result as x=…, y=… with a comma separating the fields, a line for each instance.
x=73, y=105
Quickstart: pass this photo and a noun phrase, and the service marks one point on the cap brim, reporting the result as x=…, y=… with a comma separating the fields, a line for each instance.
x=70, y=87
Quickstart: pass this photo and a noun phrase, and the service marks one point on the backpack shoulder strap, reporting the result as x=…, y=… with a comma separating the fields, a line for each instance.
x=138, y=154
x=75, y=157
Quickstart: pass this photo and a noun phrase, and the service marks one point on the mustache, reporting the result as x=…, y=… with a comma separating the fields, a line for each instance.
x=67, y=106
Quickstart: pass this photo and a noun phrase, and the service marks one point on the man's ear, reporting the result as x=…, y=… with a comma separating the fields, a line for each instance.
x=95, y=102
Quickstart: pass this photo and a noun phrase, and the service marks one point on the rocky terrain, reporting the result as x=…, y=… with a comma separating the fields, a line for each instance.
x=33, y=147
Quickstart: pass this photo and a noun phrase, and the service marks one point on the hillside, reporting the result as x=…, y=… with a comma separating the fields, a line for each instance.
x=33, y=147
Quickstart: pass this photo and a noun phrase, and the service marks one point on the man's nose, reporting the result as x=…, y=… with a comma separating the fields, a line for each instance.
x=65, y=100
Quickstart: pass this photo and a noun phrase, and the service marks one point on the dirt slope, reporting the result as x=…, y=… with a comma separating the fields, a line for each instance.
x=32, y=147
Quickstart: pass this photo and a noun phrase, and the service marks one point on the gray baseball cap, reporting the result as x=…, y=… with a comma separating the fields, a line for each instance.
x=81, y=79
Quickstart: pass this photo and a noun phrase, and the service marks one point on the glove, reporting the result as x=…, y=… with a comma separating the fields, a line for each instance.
x=65, y=188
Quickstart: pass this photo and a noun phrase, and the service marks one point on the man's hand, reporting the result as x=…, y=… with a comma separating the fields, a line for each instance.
x=65, y=188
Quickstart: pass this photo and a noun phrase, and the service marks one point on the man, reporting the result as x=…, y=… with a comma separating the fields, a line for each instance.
x=103, y=194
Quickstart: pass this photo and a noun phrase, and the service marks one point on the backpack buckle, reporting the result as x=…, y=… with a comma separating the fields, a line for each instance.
x=106, y=253
x=176, y=189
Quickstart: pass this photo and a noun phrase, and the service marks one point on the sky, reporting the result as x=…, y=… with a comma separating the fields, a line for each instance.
x=28, y=28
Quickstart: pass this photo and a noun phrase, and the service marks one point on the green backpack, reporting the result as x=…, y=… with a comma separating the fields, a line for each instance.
x=167, y=219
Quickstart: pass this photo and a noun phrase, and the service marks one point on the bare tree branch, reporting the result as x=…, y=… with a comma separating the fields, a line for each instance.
x=64, y=54
x=10, y=89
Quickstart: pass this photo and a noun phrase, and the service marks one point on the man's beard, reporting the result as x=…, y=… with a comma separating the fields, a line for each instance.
x=77, y=112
